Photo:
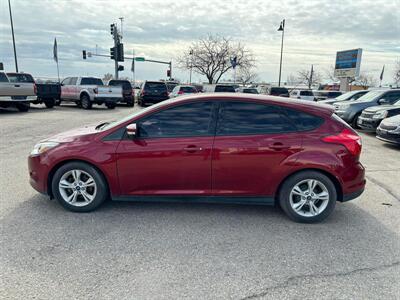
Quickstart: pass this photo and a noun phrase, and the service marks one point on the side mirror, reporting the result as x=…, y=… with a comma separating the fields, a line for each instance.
x=131, y=130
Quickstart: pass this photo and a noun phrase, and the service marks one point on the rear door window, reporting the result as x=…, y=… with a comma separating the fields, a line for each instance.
x=306, y=93
x=242, y=118
x=302, y=120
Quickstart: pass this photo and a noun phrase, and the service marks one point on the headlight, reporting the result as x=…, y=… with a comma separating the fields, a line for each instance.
x=397, y=130
x=43, y=147
x=380, y=115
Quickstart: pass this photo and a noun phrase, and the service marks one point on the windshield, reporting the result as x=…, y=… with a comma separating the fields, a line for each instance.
x=346, y=96
x=91, y=81
x=124, y=83
x=188, y=89
x=155, y=86
x=370, y=96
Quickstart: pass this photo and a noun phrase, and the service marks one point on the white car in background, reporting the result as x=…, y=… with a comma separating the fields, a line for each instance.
x=302, y=95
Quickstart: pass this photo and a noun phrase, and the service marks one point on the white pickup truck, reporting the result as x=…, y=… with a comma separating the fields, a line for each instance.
x=85, y=91
x=17, y=94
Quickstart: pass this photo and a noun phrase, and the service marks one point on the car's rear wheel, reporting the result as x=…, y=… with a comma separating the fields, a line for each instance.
x=50, y=103
x=79, y=187
x=308, y=197
x=85, y=101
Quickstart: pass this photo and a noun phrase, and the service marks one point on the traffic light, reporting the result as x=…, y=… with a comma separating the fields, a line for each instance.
x=112, y=28
x=168, y=73
x=120, y=68
x=84, y=54
x=112, y=53
x=120, y=52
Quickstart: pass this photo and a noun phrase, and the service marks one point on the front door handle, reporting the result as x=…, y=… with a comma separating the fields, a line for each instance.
x=192, y=149
x=278, y=146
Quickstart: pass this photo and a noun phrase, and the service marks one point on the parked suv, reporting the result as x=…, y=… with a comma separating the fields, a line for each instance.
x=225, y=147
x=17, y=94
x=127, y=91
x=278, y=91
x=371, y=117
x=153, y=92
x=302, y=95
x=349, y=111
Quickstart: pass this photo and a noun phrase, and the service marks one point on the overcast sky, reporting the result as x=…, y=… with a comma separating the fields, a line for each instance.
x=314, y=31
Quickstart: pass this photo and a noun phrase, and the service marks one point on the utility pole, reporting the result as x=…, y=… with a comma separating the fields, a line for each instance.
x=13, y=38
x=281, y=28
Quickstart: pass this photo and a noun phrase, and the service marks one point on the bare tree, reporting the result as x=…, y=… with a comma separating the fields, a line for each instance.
x=246, y=75
x=330, y=73
x=396, y=74
x=366, y=80
x=291, y=80
x=211, y=56
x=107, y=77
x=305, y=76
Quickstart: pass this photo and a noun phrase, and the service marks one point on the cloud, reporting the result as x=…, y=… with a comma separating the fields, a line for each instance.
x=315, y=30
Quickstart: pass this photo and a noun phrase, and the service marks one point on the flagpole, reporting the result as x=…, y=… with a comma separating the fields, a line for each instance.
x=58, y=72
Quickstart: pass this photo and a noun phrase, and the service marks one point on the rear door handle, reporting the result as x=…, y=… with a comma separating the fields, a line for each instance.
x=278, y=146
x=192, y=149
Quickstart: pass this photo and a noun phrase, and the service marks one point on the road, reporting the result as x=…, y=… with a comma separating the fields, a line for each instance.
x=193, y=251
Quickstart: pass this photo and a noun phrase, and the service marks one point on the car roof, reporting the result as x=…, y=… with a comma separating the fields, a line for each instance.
x=315, y=107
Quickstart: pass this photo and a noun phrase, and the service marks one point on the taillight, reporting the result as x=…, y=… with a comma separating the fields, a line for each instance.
x=34, y=89
x=180, y=93
x=347, y=138
x=143, y=93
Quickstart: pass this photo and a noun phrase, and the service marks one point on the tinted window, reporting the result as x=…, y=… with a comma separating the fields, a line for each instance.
x=188, y=89
x=171, y=86
x=356, y=96
x=334, y=94
x=303, y=121
x=185, y=120
x=155, y=87
x=391, y=97
x=126, y=85
x=224, y=89
x=250, y=91
x=3, y=77
x=306, y=93
x=91, y=81
x=278, y=91
x=20, y=78
x=238, y=118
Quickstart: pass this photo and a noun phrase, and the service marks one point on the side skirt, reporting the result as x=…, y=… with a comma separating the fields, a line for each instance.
x=262, y=200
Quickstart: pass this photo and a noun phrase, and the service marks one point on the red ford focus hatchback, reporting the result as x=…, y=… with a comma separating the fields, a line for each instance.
x=236, y=148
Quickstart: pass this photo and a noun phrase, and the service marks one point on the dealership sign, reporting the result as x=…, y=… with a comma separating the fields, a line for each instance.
x=348, y=63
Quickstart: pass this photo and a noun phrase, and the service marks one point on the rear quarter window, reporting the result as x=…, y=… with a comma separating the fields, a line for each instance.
x=302, y=120
x=3, y=77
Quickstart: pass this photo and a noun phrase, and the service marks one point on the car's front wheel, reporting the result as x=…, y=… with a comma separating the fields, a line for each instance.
x=79, y=187
x=308, y=197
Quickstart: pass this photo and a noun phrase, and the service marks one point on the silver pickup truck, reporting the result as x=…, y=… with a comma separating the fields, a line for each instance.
x=85, y=91
x=17, y=94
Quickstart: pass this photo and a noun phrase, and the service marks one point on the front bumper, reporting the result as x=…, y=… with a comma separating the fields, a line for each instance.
x=368, y=123
x=38, y=172
x=344, y=115
x=387, y=136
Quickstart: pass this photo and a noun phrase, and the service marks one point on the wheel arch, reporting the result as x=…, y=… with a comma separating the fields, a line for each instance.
x=63, y=162
x=332, y=177
x=84, y=93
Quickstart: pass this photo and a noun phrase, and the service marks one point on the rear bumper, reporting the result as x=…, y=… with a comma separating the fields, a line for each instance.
x=107, y=100
x=152, y=100
x=353, y=181
x=10, y=100
x=351, y=196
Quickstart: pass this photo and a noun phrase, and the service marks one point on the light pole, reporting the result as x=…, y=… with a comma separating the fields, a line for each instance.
x=12, y=32
x=191, y=65
x=281, y=28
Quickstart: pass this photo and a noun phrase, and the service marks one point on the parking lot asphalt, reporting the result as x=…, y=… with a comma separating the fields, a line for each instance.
x=193, y=251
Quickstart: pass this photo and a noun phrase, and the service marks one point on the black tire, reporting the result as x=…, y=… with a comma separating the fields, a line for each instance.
x=130, y=103
x=102, y=192
x=291, y=182
x=49, y=103
x=111, y=105
x=354, y=122
x=23, y=106
x=85, y=101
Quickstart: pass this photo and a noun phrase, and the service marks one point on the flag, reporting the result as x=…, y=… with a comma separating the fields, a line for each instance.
x=383, y=70
x=55, y=54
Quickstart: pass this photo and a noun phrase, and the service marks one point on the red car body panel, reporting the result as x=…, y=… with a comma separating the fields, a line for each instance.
x=248, y=165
